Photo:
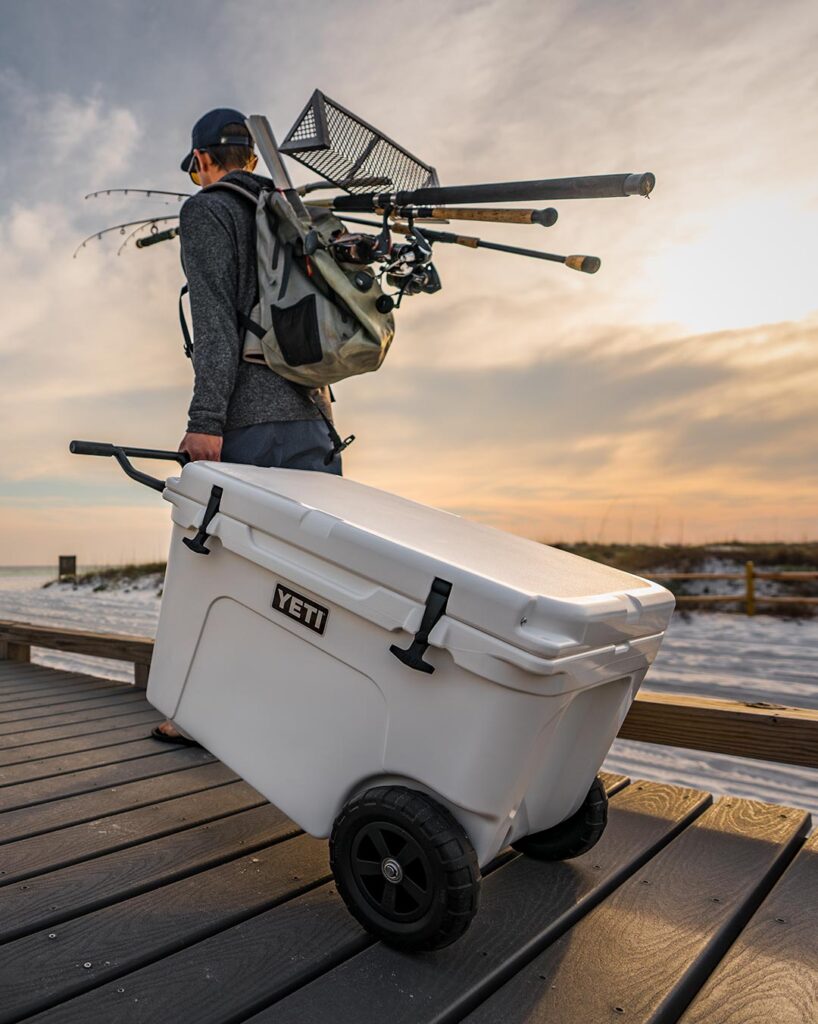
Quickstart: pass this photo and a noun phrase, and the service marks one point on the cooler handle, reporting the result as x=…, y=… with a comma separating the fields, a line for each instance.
x=121, y=454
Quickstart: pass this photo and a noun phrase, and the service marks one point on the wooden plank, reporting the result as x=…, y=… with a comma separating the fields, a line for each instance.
x=183, y=773
x=236, y=971
x=279, y=950
x=44, y=790
x=36, y=683
x=43, y=753
x=20, y=719
x=47, y=899
x=31, y=675
x=44, y=768
x=769, y=732
x=46, y=737
x=106, y=709
x=770, y=972
x=792, y=577
x=76, y=695
x=644, y=952
x=123, y=937
x=104, y=835
x=524, y=905
x=79, y=641
x=56, y=687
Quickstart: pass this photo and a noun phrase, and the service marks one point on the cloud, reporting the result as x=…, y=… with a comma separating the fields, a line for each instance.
x=675, y=385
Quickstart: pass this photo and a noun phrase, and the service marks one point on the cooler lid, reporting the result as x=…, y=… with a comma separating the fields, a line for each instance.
x=544, y=600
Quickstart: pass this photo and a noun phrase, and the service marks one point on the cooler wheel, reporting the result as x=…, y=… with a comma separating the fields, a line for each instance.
x=405, y=868
x=575, y=835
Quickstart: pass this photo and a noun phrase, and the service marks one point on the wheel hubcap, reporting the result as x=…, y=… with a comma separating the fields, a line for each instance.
x=392, y=871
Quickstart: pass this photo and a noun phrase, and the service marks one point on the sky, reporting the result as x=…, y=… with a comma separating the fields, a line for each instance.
x=670, y=397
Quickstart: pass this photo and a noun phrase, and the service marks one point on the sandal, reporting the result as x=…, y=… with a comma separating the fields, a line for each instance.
x=179, y=741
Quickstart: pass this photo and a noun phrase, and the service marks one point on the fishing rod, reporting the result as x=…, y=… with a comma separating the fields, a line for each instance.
x=585, y=264
x=137, y=191
x=492, y=215
x=598, y=186
x=121, y=229
x=314, y=186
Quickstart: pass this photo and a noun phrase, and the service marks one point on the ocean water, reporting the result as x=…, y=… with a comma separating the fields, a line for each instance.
x=710, y=654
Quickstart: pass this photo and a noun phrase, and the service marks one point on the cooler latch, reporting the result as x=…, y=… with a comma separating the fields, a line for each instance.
x=197, y=543
x=432, y=613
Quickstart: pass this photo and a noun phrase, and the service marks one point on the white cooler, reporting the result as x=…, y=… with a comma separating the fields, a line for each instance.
x=337, y=638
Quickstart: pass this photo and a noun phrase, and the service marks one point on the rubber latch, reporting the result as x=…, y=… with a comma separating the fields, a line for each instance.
x=435, y=608
x=197, y=543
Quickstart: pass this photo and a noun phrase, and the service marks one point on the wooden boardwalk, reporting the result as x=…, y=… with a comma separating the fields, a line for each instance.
x=143, y=883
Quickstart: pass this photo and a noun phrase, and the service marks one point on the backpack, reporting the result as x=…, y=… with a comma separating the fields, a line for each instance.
x=311, y=324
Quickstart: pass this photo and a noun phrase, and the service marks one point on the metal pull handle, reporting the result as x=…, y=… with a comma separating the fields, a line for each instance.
x=121, y=453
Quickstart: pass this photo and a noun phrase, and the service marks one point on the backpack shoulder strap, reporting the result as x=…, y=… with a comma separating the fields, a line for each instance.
x=233, y=188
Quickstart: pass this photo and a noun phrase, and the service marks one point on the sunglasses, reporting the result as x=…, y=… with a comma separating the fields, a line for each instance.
x=195, y=177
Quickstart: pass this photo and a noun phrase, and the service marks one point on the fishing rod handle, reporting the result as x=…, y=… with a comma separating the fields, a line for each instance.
x=122, y=453
x=434, y=236
x=585, y=264
x=598, y=186
x=546, y=217
x=160, y=236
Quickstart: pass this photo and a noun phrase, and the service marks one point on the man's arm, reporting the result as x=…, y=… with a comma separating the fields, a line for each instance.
x=211, y=268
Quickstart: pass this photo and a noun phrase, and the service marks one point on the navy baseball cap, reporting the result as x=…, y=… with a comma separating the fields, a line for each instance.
x=209, y=131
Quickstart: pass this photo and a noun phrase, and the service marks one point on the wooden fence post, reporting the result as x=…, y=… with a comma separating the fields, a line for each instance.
x=750, y=597
x=140, y=674
x=11, y=651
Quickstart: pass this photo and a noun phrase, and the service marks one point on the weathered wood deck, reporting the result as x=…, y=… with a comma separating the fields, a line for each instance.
x=143, y=883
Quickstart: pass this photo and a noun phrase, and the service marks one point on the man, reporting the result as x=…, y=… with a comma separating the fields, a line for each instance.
x=240, y=411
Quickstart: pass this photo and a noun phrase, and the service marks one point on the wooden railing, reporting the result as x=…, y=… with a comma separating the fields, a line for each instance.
x=749, y=598
x=769, y=732
x=17, y=639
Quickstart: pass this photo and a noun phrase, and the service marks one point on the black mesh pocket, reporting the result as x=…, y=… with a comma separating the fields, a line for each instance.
x=296, y=331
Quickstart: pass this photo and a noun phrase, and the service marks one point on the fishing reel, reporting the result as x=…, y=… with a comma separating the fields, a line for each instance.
x=357, y=250
x=409, y=267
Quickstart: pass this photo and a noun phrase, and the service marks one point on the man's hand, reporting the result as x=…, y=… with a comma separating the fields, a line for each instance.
x=202, y=446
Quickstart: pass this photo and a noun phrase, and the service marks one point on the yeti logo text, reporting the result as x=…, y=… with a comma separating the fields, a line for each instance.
x=309, y=614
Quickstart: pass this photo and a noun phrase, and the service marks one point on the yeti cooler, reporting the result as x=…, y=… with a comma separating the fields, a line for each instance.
x=424, y=689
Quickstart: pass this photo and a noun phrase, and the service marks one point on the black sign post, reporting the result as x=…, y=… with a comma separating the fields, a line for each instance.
x=67, y=567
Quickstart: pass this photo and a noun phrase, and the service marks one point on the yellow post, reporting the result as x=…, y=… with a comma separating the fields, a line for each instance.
x=750, y=597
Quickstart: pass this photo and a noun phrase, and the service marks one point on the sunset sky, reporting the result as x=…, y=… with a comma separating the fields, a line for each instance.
x=670, y=397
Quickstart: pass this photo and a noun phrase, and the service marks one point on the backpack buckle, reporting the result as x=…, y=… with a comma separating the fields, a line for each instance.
x=337, y=448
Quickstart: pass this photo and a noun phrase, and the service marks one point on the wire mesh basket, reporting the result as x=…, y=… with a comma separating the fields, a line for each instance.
x=350, y=153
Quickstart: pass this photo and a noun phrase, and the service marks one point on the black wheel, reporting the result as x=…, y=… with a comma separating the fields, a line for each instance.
x=573, y=836
x=405, y=868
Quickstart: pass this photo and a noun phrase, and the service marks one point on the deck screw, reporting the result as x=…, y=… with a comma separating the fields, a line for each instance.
x=781, y=920
x=618, y=1009
x=52, y=935
x=716, y=899
x=87, y=965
